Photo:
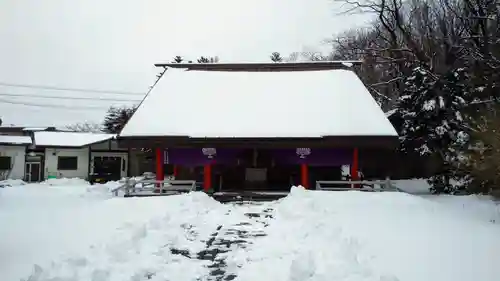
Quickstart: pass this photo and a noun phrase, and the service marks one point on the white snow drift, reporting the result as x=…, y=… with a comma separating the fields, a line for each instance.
x=78, y=232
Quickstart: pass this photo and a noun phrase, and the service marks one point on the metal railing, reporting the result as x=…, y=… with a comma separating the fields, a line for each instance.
x=155, y=187
x=364, y=185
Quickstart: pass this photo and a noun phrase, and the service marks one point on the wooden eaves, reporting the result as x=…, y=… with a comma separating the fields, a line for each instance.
x=264, y=67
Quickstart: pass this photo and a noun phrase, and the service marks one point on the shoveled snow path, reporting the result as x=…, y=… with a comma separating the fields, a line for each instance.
x=190, y=244
x=307, y=236
x=232, y=237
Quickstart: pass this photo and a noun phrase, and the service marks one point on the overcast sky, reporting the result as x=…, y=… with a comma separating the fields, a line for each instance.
x=113, y=44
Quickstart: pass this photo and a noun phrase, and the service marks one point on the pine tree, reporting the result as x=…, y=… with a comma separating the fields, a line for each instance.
x=178, y=59
x=116, y=118
x=276, y=57
x=433, y=123
x=203, y=59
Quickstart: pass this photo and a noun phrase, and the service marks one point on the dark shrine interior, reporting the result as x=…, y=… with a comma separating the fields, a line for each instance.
x=255, y=170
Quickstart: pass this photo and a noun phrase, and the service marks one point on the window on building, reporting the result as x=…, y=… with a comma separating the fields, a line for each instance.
x=67, y=163
x=5, y=163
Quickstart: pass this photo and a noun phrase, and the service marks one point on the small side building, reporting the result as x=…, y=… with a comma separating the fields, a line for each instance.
x=77, y=155
x=12, y=156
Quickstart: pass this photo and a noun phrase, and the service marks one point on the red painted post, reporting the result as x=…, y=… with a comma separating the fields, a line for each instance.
x=355, y=166
x=207, y=177
x=159, y=165
x=304, y=175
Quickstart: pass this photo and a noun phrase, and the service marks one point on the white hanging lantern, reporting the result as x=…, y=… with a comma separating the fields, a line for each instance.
x=303, y=152
x=210, y=152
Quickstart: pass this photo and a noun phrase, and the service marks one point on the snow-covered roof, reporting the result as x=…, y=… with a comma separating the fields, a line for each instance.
x=263, y=66
x=259, y=104
x=20, y=140
x=252, y=63
x=69, y=139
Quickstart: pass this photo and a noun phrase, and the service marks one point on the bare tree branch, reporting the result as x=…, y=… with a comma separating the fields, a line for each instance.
x=88, y=127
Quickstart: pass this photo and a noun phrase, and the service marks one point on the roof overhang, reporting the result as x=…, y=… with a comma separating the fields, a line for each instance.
x=271, y=143
x=263, y=67
x=13, y=144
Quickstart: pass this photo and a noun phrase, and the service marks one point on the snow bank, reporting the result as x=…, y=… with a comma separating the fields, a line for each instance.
x=372, y=236
x=57, y=188
x=65, y=182
x=80, y=232
x=413, y=186
x=474, y=207
x=10, y=182
x=40, y=222
x=144, y=249
x=419, y=186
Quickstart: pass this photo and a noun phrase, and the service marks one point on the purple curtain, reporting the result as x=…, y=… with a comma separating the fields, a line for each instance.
x=201, y=156
x=228, y=156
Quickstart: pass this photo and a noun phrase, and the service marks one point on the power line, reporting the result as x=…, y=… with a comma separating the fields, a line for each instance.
x=65, y=97
x=54, y=106
x=45, y=87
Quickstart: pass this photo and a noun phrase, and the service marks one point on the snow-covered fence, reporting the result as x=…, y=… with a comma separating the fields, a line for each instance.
x=155, y=187
x=364, y=185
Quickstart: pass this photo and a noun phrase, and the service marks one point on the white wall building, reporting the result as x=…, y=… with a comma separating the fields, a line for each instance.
x=35, y=155
x=66, y=162
x=75, y=155
x=12, y=156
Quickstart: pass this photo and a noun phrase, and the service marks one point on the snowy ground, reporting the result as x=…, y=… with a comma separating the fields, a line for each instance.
x=72, y=231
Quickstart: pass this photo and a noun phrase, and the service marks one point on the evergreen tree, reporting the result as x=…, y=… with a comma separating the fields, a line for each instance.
x=203, y=59
x=484, y=153
x=276, y=57
x=178, y=59
x=433, y=124
x=116, y=118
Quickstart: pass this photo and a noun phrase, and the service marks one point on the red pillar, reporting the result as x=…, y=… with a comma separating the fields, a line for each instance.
x=207, y=177
x=355, y=166
x=159, y=165
x=304, y=175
